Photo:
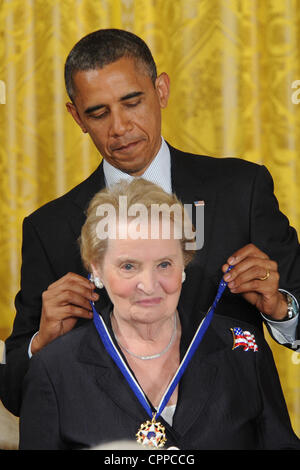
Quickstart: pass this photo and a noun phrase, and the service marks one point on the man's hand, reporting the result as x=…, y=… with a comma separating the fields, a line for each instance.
x=63, y=303
x=256, y=278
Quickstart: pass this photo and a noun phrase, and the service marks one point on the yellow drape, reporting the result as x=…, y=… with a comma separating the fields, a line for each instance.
x=232, y=63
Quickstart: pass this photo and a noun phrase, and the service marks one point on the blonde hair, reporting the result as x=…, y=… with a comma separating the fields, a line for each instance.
x=138, y=191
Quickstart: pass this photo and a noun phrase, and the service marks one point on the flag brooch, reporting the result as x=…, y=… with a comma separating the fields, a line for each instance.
x=244, y=339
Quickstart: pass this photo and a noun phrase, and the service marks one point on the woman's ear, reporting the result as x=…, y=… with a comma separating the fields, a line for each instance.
x=96, y=277
x=95, y=270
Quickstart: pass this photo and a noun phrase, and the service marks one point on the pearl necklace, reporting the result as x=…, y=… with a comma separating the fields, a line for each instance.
x=154, y=356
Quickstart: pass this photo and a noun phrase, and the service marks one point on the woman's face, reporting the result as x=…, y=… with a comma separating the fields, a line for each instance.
x=142, y=277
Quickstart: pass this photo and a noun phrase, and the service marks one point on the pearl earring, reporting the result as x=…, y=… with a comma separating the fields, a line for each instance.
x=183, y=276
x=96, y=281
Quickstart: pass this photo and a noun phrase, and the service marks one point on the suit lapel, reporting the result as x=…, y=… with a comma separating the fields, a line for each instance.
x=190, y=180
x=198, y=382
x=191, y=186
x=107, y=375
x=117, y=389
x=195, y=183
x=194, y=179
x=81, y=196
x=88, y=188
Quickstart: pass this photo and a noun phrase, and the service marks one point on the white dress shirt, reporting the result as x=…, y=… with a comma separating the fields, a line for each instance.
x=158, y=172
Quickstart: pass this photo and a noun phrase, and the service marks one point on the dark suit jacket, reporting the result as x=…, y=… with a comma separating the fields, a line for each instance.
x=240, y=208
x=75, y=396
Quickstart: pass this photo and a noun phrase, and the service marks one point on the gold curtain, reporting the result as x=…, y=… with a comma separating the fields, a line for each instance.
x=233, y=65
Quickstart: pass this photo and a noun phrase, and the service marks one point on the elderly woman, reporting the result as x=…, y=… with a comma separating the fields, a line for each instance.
x=146, y=368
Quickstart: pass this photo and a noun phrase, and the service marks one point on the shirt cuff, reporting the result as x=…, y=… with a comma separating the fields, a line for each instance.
x=3, y=353
x=29, y=347
x=284, y=331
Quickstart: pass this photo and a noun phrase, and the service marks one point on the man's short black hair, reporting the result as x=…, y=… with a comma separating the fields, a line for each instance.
x=104, y=47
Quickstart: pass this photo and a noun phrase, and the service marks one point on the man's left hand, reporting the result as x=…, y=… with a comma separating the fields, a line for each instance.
x=256, y=278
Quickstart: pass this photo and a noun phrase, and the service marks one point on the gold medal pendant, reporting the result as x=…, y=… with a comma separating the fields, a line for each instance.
x=151, y=434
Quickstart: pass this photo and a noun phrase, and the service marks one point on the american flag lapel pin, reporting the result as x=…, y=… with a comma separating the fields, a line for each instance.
x=199, y=203
x=244, y=339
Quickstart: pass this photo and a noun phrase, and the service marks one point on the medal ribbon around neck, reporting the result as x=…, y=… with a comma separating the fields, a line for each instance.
x=134, y=385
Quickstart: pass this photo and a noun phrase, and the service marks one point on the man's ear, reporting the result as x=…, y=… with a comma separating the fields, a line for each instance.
x=71, y=108
x=162, y=86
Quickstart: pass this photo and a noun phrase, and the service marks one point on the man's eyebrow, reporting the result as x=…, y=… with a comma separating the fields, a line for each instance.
x=93, y=108
x=134, y=94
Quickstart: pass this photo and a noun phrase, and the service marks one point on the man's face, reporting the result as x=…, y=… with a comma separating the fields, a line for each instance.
x=120, y=108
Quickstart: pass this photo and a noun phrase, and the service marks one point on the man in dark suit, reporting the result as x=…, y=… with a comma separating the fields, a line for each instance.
x=117, y=98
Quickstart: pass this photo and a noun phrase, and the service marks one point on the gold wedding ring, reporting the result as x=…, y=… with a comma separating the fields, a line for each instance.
x=265, y=277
